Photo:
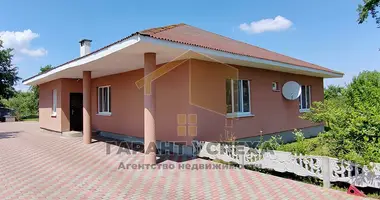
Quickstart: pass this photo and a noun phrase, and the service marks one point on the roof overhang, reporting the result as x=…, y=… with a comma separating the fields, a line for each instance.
x=127, y=55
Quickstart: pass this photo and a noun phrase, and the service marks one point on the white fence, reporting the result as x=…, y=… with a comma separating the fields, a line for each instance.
x=325, y=168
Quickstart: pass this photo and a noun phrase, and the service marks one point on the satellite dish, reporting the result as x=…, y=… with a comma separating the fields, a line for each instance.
x=291, y=90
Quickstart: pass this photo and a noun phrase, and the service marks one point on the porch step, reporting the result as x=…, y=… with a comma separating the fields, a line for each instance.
x=72, y=134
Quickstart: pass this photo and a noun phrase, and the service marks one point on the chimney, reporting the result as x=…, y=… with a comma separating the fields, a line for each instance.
x=85, y=45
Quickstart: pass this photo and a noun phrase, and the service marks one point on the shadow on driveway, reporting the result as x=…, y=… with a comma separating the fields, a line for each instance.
x=6, y=135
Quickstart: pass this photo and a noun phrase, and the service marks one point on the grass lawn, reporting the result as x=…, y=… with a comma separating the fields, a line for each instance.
x=31, y=119
x=310, y=146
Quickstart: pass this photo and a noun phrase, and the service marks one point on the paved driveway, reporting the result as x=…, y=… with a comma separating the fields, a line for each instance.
x=40, y=165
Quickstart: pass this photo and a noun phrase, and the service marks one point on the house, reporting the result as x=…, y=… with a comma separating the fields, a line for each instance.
x=178, y=83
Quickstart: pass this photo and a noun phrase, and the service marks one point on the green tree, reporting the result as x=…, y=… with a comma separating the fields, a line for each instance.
x=46, y=69
x=22, y=103
x=353, y=120
x=369, y=7
x=8, y=73
x=25, y=104
x=333, y=91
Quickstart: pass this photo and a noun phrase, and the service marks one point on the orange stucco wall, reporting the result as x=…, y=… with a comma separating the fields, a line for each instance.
x=64, y=87
x=126, y=104
x=68, y=86
x=46, y=120
x=272, y=113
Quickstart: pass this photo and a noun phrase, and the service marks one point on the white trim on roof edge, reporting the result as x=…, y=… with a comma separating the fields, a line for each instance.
x=235, y=56
x=137, y=38
x=92, y=57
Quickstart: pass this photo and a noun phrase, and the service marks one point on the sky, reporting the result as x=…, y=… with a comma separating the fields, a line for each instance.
x=322, y=32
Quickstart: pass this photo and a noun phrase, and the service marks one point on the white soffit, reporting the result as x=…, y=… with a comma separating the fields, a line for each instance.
x=86, y=59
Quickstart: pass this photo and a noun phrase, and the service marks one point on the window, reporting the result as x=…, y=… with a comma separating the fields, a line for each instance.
x=104, y=100
x=275, y=86
x=305, y=98
x=238, y=96
x=54, y=107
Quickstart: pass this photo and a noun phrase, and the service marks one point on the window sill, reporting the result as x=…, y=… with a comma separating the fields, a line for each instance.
x=104, y=114
x=239, y=115
x=304, y=110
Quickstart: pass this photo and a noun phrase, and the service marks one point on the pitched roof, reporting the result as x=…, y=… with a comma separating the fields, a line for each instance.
x=186, y=34
x=189, y=35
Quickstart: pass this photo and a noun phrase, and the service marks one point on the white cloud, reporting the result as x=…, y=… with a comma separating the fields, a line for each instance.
x=34, y=52
x=277, y=24
x=20, y=42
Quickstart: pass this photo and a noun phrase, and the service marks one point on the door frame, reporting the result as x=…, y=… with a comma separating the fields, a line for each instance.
x=70, y=118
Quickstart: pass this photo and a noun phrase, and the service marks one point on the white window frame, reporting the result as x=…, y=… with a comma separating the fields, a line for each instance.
x=107, y=112
x=54, y=103
x=307, y=87
x=240, y=114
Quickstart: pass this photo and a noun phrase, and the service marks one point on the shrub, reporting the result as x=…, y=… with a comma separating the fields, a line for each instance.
x=353, y=120
x=23, y=103
x=272, y=144
x=311, y=146
x=297, y=147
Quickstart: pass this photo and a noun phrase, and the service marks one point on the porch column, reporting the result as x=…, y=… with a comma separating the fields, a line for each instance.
x=149, y=110
x=87, y=107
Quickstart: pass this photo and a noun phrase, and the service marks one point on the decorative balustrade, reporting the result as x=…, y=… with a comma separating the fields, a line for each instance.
x=322, y=167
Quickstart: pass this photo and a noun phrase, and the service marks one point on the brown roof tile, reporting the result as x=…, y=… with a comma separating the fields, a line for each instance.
x=186, y=34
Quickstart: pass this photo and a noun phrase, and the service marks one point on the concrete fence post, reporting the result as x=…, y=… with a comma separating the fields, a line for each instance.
x=241, y=156
x=326, y=171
